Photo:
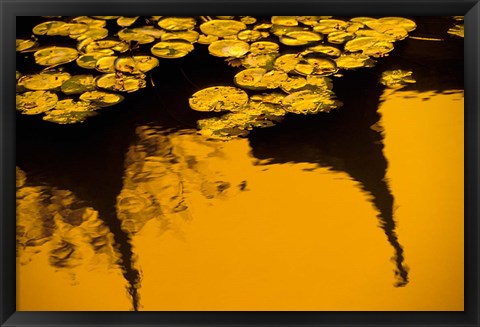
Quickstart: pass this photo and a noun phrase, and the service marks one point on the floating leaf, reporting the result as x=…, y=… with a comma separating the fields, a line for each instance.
x=280, y=30
x=249, y=35
x=293, y=84
x=390, y=32
x=177, y=23
x=95, y=33
x=218, y=98
x=69, y=111
x=254, y=60
x=149, y=30
x=55, y=56
x=89, y=21
x=260, y=79
x=308, y=20
x=370, y=46
x=327, y=26
x=89, y=60
x=36, y=102
x=126, y=21
x=228, y=48
x=263, y=47
x=304, y=36
x=43, y=81
x=101, y=99
x=132, y=35
x=224, y=128
x=248, y=20
x=325, y=49
x=287, y=62
x=25, y=44
x=309, y=102
x=17, y=74
x=316, y=66
x=206, y=39
x=172, y=49
x=106, y=17
x=405, y=23
x=136, y=64
x=78, y=84
x=397, y=78
x=189, y=36
x=222, y=27
x=106, y=64
x=362, y=20
x=354, y=60
x=339, y=37
x=120, y=82
x=100, y=45
x=284, y=20
x=48, y=28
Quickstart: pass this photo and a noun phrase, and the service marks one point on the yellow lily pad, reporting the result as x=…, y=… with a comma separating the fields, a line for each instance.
x=136, y=64
x=89, y=21
x=249, y=20
x=218, y=98
x=340, y=37
x=293, y=84
x=172, y=49
x=106, y=17
x=260, y=79
x=89, y=60
x=222, y=27
x=316, y=66
x=370, y=46
x=25, y=44
x=206, y=39
x=69, y=111
x=309, y=102
x=149, y=30
x=101, y=45
x=263, y=47
x=405, y=23
x=43, y=81
x=397, y=78
x=55, y=56
x=189, y=36
x=132, y=35
x=177, y=23
x=78, y=84
x=325, y=49
x=228, y=48
x=255, y=60
x=101, y=99
x=280, y=30
x=287, y=62
x=106, y=64
x=126, y=21
x=284, y=20
x=95, y=33
x=305, y=36
x=308, y=20
x=249, y=35
x=36, y=102
x=48, y=28
x=354, y=61
x=391, y=32
x=119, y=82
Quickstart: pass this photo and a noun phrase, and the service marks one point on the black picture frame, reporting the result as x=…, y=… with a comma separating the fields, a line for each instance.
x=10, y=9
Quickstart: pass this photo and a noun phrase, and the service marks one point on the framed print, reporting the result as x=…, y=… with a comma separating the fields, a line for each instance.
x=239, y=163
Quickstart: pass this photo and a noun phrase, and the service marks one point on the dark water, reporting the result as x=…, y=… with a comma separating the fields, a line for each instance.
x=90, y=159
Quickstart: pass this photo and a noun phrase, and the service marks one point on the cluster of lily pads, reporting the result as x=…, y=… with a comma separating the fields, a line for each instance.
x=290, y=57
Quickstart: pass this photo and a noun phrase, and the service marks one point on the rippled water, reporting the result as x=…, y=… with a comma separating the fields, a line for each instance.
x=357, y=209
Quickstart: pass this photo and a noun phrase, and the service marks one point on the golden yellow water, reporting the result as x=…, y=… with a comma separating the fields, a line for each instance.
x=295, y=236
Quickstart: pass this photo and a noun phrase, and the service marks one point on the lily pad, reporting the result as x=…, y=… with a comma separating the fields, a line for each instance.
x=52, y=56
x=189, y=36
x=132, y=35
x=228, y=48
x=206, y=39
x=263, y=47
x=224, y=128
x=391, y=32
x=284, y=20
x=171, y=49
x=218, y=98
x=78, y=84
x=106, y=64
x=260, y=79
x=340, y=37
x=316, y=66
x=126, y=21
x=249, y=35
x=95, y=33
x=370, y=46
x=354, y=61
x=89, y=21
x=222, y=27
x=287, y=62
x=43, y=81
x=325, y=49
x=405, y=23
x=136, y=64
x=100, y=45
x=101, y=99
x=293, y=84
x=25, y=44
x=309, y=102
x=36, y=102
x=255, y=60
x=397, y=78
x=177, y=23
x=89, y=60
x=69, y=111
x=249, y=20
x=48, y=28
x=304, y=36
x=120, y=82
x=308, y=20
x=106, y=17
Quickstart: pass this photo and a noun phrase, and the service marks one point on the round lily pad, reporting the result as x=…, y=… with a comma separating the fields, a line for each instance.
x=106, y=64
x=106, y=17
x=293, y=83
x=304, y=36
x=325, y=49
x=287, y=62
x=36, y=102
x=78, y=84
x=260, y=79
x=101, y=99
x=316, y=66
x=43, y=81
x=69, y=111
x=48, y=28
x=370, y=46
x=228, y=48
x=284, y=20
x=248, y=20
x=354, y=61
x=249, y=35
x=136, y=64
x=171, y=49
x=55, y=56
x=120, y=82
x=397, y=78
x=308, y=20
x=259, y=60
x=280, y=30
x=132, y=35
x=206, y=39
x=100, y=45
x=177, y=23
x=91, y=22
x=218, y=98
x=264, y=47
x=89, y=60
x=309, y=102
x=189, y=36
x=390, y=31
x=339, y=37
x=362, y=19
x=405, y=23
x=126, y=21
x=25, y=44
x=222, y=27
